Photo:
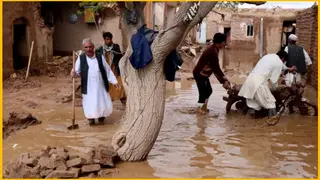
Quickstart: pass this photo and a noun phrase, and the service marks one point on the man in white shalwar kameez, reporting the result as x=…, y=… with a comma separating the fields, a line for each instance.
x=255, y=89
x=94, y=75
x=298, y=57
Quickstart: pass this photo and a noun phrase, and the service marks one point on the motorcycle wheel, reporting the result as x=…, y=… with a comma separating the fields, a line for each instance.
x=230, y=103
x=308, y=109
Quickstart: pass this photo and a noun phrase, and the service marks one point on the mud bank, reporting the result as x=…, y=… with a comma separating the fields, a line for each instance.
x=17, y=121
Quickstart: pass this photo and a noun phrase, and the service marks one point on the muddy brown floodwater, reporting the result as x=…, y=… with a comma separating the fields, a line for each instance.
x=215, y=145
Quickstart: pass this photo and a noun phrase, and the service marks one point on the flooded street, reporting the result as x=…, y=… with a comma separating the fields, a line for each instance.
x=189, y=146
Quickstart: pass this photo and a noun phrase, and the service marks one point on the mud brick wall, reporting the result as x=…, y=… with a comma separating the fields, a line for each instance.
x=242, y=48
x=11, y=12
x=239, y=32
x=42, y=36
x=307, y=32
x=244, y=51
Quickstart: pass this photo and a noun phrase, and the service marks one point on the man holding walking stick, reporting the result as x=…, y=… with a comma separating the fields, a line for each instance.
x=95, y=74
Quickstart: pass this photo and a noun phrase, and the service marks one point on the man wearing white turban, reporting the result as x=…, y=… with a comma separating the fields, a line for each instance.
x=298, y=57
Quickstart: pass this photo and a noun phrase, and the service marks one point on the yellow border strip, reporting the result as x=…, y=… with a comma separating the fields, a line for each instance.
x=1, y=71
x=302, y=1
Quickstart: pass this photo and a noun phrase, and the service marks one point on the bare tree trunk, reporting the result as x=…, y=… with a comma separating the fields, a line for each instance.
x=145, y=88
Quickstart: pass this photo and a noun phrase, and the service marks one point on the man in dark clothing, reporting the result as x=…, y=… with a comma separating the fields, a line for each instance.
x=112, y=54
x=208, y=64
x=298, y=57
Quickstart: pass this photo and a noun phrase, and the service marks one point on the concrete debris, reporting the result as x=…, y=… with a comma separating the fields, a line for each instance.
x=90, y=168
x=107, y=172
x=76, y=162
x=62, y=167
x=191, y=51
x=190, y=54
x=59, y=66
x=61, y=174
x=76, y=171
x=14, y=75
x=104, y=155
x=45, y=173
x=53, y=162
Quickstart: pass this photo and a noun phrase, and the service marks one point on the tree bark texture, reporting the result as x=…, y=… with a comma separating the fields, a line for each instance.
x=145, y=88
x=204, y=10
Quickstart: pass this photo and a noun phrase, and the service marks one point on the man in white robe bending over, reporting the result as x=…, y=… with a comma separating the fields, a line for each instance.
x=255, y=89
x=95, y=74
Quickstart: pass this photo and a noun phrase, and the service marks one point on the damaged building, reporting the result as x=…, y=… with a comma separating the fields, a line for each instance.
x=57, y=29
x=251, y=33
x=246, y=43
x=22, y=24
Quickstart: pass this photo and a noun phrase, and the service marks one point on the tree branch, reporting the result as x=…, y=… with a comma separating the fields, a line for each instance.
x=222, y=15
x=204, y=9
x=183, y=10
x=167, y=40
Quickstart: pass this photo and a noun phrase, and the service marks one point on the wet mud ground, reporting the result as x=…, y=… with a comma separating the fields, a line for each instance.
x=215, y=145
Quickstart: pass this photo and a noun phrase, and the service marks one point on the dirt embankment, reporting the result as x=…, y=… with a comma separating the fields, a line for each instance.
x=19, y=118
x=17, y=121
x=59, y=66
x=21, y=95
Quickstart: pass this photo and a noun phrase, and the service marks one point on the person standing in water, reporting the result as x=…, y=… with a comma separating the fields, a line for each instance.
x=95, y=76
x=207, y=65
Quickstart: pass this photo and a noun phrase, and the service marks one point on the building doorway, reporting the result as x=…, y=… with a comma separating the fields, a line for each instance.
x=227, y=32
x=20, y=43
x=288, y=27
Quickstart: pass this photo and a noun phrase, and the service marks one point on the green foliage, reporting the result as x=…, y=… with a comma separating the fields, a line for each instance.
x=95, y=6
x=100, y=6
x=227, y=4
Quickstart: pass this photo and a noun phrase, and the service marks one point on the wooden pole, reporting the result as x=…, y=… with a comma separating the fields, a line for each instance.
x=73, y=90
x=30, y=55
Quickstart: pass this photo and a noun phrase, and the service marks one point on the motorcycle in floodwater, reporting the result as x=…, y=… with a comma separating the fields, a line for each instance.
x=286, y=97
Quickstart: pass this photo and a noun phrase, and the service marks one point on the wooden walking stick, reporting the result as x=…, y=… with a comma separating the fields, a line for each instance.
x=73, y=126
x=29, y=62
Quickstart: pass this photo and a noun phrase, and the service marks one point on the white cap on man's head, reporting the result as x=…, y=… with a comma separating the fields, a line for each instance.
x=293, y=37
